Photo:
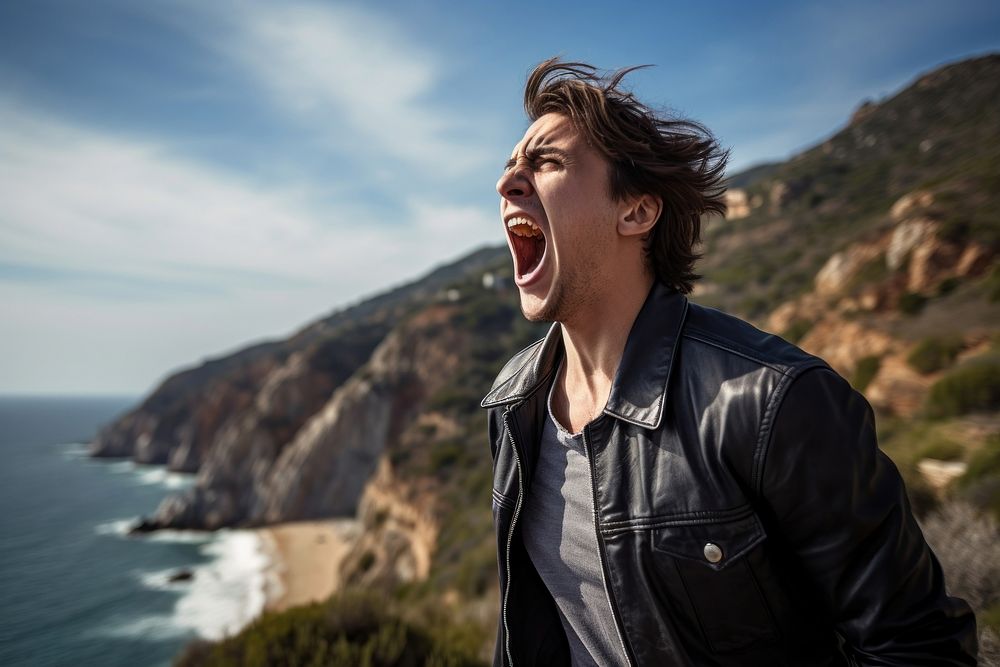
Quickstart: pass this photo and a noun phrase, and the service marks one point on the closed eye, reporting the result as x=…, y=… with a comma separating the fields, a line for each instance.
x=540, y=156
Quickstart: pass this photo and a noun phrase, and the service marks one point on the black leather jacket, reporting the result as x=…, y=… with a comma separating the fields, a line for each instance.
x=744, y=513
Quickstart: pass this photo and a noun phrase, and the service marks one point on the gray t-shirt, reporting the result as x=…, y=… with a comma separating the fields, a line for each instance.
x=561, y=539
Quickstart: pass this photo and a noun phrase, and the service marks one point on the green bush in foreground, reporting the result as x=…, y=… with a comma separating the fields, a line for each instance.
x=972, y=387
x=349, y=630
x=934, y=353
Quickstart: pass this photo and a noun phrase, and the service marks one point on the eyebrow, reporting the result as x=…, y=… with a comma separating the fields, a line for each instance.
x=533, y=154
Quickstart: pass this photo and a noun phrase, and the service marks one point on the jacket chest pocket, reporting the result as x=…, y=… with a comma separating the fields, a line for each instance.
x=712, y=559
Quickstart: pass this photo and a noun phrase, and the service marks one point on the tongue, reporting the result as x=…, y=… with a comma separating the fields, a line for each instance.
x=529, y=251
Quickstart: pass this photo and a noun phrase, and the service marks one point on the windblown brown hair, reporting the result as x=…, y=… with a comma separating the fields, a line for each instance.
x=649, y=153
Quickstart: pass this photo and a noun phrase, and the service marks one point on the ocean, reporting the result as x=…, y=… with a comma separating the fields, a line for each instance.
x=75, y=589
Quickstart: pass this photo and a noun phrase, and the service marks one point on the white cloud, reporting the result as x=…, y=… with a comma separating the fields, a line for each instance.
x=353, y=76
x=209, y=259
x=78, y=199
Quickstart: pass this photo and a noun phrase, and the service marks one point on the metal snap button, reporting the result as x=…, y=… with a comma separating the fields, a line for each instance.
x=713, y=553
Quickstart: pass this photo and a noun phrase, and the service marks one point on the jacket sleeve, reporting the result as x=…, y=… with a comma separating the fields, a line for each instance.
x=839, y=504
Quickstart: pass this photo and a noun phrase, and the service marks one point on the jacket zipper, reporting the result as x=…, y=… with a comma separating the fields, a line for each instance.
x=600, y=551
x=510, y=533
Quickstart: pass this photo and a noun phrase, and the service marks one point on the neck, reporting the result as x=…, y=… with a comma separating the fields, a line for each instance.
x=595, y=340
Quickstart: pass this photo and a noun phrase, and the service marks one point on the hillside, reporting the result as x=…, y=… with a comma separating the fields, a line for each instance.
x=937, y=138
x=876, y=249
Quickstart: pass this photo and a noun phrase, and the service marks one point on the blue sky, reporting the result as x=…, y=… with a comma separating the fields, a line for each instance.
x=178, y=179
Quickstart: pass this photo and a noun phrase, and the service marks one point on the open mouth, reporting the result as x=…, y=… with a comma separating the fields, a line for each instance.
x=528, y=243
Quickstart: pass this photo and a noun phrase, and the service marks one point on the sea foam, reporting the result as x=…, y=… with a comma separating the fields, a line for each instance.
x=159, y=475
x=222, y=597
x=119, y=527
x=228, y=592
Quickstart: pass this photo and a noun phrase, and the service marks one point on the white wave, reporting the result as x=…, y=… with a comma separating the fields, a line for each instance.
x=121, y=527
x=180, y=536
x=222, y=597
x=146, y=474
x=150, y=475
x=118, y=527
x=228, y=592
x=122, y=466
x=75, y=450
x=178, y=480
x=160, y=580
x=155, y=627
x=159, y=475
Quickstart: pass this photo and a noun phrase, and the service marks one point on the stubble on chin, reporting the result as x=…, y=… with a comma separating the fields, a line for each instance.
x=547, y=312
x=565, y=298
x=549, y=308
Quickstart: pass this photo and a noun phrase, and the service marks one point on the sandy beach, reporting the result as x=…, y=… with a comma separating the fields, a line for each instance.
x=305, y=558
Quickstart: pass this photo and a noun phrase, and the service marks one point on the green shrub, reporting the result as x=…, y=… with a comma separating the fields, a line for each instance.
x=865, y=372
x=942, y=450
x=933, y=354
x=993, y=285
x=991, y=617
x=922, y=498
x=984, y=494
x=446, y=453
x=349, y=630
x=980, y=485
x=477, y=570
x=907, y=441
x=486, y=314
x=911, y=303
x=797, y=330
x=453, y=398
x=366, y=562
x=873, y=271
x=954, y=230
x=948, y=285
x=984, y=464
x=754, y=306
x=971, y=387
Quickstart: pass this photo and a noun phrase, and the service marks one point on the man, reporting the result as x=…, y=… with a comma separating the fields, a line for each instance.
x=672, y=486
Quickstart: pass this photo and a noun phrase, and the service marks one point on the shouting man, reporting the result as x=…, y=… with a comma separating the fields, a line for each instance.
x=672, y=486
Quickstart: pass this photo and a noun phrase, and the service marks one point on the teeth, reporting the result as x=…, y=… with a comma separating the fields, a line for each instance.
x=523, y=227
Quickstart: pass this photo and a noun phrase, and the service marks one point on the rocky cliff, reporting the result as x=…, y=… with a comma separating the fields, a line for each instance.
x=269, y=388
x=305, y=446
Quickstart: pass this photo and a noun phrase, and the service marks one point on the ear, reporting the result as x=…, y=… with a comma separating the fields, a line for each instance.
x=639, y=214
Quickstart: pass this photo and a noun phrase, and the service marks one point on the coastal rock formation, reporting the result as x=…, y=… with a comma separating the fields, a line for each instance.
x=737, y=204
x=327, y=465
x=906, y=236
x=264, y=469
x=843, y=266
x=188, y=409
x=195, y=409
x=398, y=535
x=873, y=275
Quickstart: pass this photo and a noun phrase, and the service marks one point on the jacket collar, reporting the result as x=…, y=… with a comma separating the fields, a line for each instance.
x=639, y=391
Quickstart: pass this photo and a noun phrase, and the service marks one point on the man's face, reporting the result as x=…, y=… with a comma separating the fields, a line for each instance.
x=559, y=219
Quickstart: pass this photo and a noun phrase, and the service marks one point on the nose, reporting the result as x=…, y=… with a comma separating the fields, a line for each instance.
x=515, y=182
